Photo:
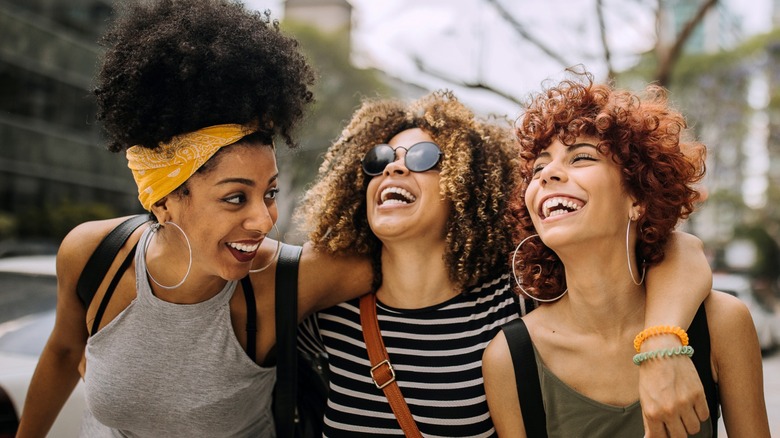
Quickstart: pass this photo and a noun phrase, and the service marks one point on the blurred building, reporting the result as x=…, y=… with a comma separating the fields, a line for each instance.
x=51, y=151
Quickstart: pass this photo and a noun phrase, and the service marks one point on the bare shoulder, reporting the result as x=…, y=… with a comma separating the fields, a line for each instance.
x=496, y=353
x=79, y=244
x=730, y=324
x=727, y=310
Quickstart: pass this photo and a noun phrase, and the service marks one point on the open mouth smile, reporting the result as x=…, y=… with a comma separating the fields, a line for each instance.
x=559, y=205
x=396, y=195
x=244, y=247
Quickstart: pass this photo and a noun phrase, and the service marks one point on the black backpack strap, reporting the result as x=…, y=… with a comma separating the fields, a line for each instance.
x=110, y=291
x=529, y=390
x=100, y=260
x=699, y=334
x=286, y=298
x=251, y=318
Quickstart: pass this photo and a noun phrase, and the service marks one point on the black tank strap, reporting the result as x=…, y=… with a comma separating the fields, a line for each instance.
x=699, y=334
x=529, y=390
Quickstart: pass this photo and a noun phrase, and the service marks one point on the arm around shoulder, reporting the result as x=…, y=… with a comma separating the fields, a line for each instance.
x=671, y=394
x=679, y=284
x=737, y=367
x=499, y=376
x=325, y=279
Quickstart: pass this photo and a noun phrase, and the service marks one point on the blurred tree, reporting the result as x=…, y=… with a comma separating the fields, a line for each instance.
x=668, y=47
x=339, y=90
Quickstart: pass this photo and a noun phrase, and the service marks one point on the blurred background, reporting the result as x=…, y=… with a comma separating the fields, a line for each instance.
x=719, y=58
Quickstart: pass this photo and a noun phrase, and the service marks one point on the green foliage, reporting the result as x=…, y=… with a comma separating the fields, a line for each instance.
x=8, y=225
x=340, y=86
x=338, y=92
x=55, y=221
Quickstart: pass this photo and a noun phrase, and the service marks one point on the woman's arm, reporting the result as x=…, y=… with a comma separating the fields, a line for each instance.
x=736, y=358
x=670, y=391
x=57, y=371
x=499, y=376
x=325, y=280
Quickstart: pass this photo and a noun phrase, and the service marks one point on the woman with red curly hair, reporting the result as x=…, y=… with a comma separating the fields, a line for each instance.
x=607, y=175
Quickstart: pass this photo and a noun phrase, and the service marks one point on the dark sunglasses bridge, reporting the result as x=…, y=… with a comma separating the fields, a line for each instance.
x=419, y=157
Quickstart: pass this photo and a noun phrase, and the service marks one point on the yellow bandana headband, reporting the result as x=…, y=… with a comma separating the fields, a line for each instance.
x=158, y=172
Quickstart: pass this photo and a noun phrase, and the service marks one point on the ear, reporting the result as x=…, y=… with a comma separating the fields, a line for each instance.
x=636, y=211
x=161, y=210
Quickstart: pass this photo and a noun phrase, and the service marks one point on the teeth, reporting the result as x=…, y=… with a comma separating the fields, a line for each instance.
x=404, y=197
x=243, y=247
x=566, y=206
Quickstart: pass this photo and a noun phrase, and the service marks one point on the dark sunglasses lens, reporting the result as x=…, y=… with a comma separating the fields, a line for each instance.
x=423, y=156
x=377, y=159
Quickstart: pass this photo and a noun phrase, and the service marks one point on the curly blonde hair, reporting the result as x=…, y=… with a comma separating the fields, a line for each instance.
x=645, y=136
x=478, y=172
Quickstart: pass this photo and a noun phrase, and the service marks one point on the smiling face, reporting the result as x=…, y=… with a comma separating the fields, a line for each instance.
x=405, y=204
x=228, y=210
x=576, y=194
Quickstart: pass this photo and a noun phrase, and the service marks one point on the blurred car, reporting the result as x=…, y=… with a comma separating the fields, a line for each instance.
x=767, y=323
x=28, y=287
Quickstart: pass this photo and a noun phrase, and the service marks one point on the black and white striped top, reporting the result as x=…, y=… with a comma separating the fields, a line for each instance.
x=437, y=356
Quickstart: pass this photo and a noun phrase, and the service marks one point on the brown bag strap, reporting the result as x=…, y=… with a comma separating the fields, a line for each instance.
x=382, y=372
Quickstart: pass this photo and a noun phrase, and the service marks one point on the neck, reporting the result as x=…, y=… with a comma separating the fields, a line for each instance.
x=601, y=298
x=414, y=277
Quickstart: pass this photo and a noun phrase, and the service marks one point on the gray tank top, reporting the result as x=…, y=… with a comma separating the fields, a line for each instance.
x=163, y=369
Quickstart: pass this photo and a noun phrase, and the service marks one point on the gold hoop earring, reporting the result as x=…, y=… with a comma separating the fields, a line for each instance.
x=628, y=257
x=276, y=253
x=155, y=229
x=517, y=280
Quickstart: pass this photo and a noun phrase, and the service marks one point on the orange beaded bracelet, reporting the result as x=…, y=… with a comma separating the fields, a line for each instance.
x=660, y=330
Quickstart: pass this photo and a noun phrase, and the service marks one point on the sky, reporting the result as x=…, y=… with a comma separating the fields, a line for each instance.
x=467, y=40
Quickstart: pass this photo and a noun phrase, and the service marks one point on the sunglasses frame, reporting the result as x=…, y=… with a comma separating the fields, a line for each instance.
x=406, y=164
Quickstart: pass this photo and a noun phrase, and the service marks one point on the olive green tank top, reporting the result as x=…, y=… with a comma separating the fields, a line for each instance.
x=571, y=414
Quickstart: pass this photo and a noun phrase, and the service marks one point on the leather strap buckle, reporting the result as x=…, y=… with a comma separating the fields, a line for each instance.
x=388, y=373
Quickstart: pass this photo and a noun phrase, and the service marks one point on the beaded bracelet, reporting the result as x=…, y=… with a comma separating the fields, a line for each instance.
x=668, y=352
x=660, y=330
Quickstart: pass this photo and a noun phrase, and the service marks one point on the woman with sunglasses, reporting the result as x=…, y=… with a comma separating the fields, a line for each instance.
x=622, y=164
x=423, y=190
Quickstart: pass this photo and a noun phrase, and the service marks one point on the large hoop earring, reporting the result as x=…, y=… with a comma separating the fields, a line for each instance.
x=517, y=280
x=628, y=257
x=276, y=253
x=155, y=228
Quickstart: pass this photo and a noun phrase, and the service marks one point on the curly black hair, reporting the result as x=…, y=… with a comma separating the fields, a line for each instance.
x=478, y=171
x=176, y=66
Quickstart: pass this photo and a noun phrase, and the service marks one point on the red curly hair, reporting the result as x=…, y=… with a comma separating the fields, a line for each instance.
x=642, y=134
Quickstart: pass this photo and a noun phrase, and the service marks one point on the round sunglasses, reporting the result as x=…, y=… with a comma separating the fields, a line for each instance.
x=419, y=157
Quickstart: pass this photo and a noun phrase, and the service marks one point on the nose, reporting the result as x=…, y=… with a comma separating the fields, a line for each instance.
x=398, y=166
x=261, y=218
x=553, y=171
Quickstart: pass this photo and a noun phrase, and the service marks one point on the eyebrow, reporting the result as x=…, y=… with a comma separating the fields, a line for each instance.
x=246, y=181
x=544, y=153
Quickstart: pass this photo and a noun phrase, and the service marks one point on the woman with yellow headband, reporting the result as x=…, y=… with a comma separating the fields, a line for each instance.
x=194, y=92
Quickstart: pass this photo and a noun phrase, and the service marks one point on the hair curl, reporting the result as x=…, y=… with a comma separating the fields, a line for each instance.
x=176, y=66
x=478, y=171
x=642, y=133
